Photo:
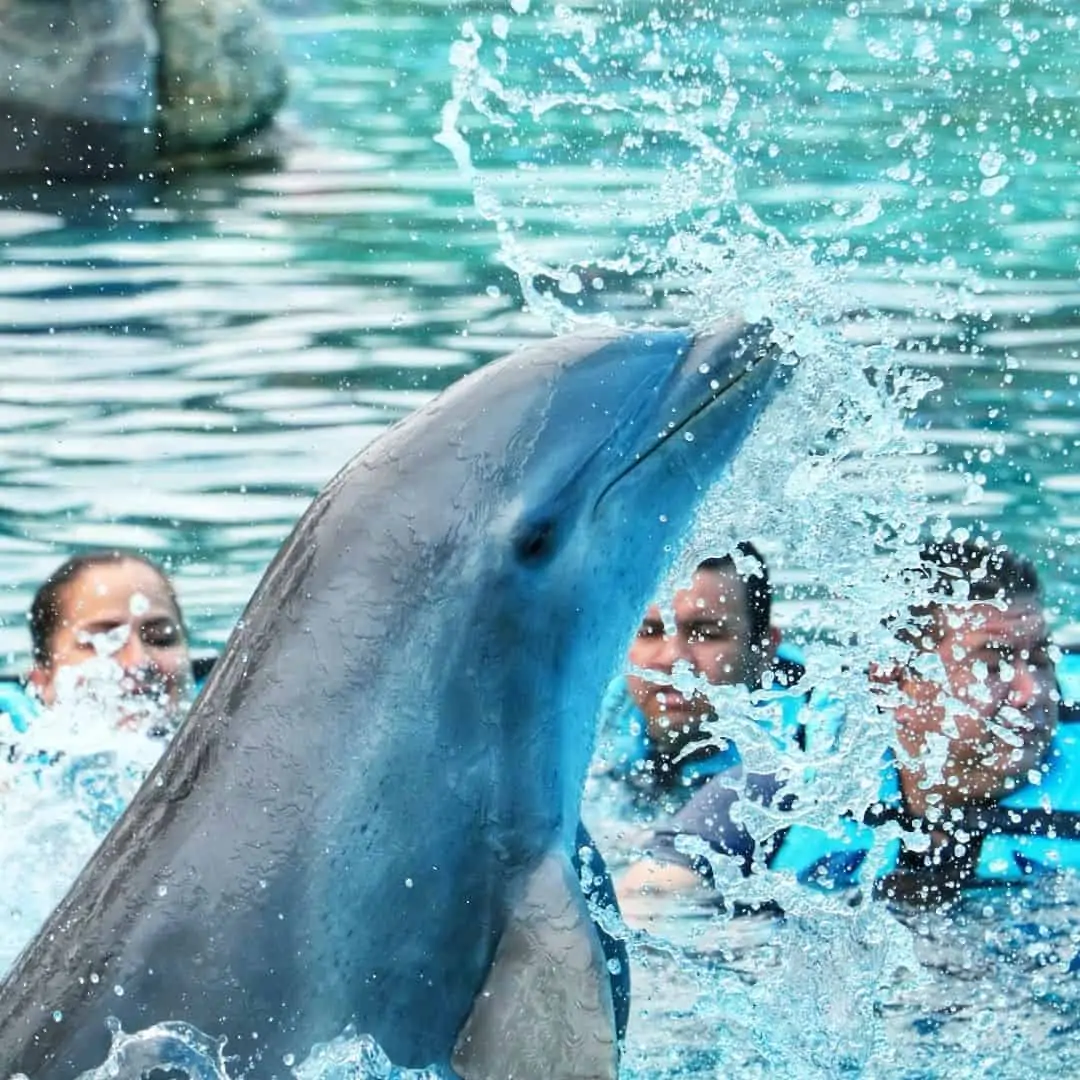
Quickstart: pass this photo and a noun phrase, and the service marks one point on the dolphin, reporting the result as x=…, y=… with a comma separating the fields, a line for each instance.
x=368, y=817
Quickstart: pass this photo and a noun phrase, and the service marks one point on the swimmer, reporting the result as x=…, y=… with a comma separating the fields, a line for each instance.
x=721, y=632
x=115, y=608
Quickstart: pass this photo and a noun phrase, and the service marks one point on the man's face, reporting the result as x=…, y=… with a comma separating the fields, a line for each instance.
x=711, y=636
x=999, y=707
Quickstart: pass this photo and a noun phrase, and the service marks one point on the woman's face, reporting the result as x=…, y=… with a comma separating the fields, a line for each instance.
x=122, y=611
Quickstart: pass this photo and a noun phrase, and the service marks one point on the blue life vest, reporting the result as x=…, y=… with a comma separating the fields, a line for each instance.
x=17, y=708
x=1032, y=830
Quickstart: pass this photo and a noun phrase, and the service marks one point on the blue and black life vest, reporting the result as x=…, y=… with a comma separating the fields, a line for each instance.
x=1031, y=831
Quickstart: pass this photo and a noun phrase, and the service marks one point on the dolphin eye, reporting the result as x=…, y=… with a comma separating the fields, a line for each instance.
x=536, y=542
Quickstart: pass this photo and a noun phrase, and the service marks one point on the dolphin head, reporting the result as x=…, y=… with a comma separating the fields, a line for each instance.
x=584, y=460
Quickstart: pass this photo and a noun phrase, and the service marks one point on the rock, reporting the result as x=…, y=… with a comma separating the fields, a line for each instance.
x=104, y=88
x=222, y=72
x=78, y=89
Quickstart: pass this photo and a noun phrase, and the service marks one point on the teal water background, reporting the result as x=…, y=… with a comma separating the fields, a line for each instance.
x=183, y=365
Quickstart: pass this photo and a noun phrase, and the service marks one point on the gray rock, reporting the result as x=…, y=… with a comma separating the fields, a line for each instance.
x=78, y=86
x=222, y=73
x=102, y=88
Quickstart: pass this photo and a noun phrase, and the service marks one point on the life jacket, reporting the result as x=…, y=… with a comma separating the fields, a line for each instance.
x=1033, y=830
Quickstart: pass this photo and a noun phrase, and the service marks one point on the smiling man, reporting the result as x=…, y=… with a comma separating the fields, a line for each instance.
x=660, y=724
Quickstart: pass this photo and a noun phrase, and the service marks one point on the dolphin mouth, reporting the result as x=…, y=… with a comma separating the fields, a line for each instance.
x=748, y=349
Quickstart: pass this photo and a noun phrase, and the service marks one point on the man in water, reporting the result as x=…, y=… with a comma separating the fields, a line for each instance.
x=658, y=725
x=975, y=769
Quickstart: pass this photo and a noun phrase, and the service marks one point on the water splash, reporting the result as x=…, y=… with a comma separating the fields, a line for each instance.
x=178, y=1048
x=611, y=100
x=65, y=781
x=167, y=1046
x=830, y=484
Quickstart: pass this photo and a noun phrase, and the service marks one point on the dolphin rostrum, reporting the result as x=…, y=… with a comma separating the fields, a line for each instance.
x=368, y=817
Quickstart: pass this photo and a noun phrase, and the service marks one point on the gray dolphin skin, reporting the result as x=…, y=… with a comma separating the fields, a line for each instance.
x=368, y=816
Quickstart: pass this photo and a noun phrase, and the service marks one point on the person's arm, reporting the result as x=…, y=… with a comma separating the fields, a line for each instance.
x=666, y=870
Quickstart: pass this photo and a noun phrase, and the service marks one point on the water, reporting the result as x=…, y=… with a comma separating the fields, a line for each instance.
x=183, y=365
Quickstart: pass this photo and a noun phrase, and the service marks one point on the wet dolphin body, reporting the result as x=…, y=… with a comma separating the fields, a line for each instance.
x=368, y=816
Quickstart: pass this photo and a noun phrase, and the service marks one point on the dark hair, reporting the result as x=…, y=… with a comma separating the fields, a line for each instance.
x=988, y=571
x=756, y=583
x=45, y=611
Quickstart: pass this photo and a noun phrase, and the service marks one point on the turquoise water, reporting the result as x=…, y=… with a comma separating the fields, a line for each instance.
x=184, y=364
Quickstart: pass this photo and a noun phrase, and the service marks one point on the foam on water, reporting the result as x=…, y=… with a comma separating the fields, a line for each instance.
x=65, y=782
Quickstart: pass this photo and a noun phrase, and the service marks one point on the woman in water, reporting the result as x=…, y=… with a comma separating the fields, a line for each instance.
x=111, y=615
x=111, y=677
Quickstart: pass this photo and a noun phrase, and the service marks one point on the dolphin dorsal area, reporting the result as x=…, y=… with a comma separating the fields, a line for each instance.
x=367, y=819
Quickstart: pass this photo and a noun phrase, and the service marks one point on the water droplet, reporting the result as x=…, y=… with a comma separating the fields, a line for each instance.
x=688, y=436
x=570, y=284
x=963, y=14
x=57, y=1015
x=408, y=883
x=992, y=185
x=289, y=1060
x=990, y=163
x=118, y=990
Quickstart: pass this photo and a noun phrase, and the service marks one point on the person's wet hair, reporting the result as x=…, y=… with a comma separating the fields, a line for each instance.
x=46, y=610
x=971, y=570
x=757, y=589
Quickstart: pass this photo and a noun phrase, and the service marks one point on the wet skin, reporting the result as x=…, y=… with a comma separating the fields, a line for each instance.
x=997, y=708
x=710, y=638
